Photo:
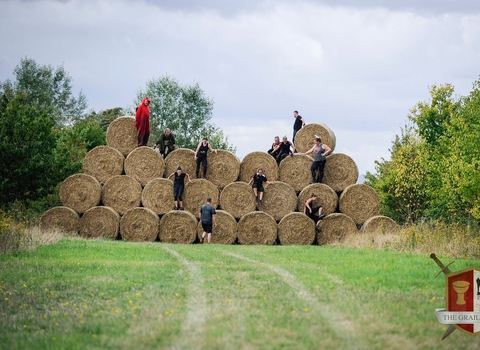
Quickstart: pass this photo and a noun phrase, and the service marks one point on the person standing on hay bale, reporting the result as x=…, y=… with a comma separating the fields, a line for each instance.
x=178, y=187
x=207, y=216
x=142, y=121
x=201, y=156
x=166, y=143
x=298, y=124
x=314, y=213
x=283, y=149
x=274, y=150
x=320, y=151
x=258, y=179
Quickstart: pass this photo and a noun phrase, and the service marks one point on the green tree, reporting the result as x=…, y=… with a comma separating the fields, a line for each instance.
x=184, y=109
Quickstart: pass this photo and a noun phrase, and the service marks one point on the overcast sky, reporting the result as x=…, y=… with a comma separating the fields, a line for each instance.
x=356, y=66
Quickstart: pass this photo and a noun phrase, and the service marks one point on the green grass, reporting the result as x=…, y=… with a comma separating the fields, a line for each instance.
x=98, y=294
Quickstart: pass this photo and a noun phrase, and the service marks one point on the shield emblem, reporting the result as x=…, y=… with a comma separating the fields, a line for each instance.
x=463, y=294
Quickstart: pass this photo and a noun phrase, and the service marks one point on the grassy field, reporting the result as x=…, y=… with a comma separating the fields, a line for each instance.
x=98, y=294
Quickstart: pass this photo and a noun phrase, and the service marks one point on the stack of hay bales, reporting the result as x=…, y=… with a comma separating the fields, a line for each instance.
x=124, y=192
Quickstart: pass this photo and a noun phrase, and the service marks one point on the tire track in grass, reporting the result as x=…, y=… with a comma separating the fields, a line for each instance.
x=343, y=328
x=192, y=326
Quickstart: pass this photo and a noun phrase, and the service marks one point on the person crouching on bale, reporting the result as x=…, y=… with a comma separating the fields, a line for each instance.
x=284, y=149
x=142, y=122
x=178, y=186
x=314, y=213
x=166, y=144
x=258, y=179
x=201, y=156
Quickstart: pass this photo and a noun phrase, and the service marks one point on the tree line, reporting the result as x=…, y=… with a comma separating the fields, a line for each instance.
x=46, y=131
x=433, y=173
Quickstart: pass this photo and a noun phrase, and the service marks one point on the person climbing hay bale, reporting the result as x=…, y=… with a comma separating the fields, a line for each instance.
x=306, y=135
x=292, y=171
x=122, y=135
x=122, y=193
x=335, y=227
x=80, y=192
x=341, y=171
x=226, y=230
x=296, y=228
x=157, y=195
x=195, y=193
x=256, y=160
x=223, y=168
x=100, y=222
x=103, y=162
x=380, y=224
x=182, y=157
x=63, y=219
x=238, y=199
x=257, y=228
x=139, y=225
x=279, y=200
x=327, y=198
x=178, y=227
x=144, y=164
x=360, y=202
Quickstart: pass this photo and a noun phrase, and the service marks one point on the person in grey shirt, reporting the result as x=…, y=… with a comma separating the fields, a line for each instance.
x=208, y=217
x=320, y=152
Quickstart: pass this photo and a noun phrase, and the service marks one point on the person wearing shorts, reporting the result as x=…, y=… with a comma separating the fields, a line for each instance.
x=258, y=179
x=178, y=186
x=314, y=213
x=208, y=217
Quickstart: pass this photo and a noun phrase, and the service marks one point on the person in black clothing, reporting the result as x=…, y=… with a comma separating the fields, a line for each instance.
x=258, y=179
x=166, y=144
x=178, y=186
x=274, y=150
x=297, y=125
x=207, y=216
x=314, y=213
x=283, y=149
x=201, y=156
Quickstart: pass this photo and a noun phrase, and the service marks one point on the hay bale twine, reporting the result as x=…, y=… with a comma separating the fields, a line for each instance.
x=122, y=193
x=327, y=198
x=295, y=171
x=64, y=219
x=341, y=171
x=257, y=227
x=306, y=135
x=196, y=193
x=279, y=200
x=238, y=199
x=100, y=222
x=335, y=227
x=226, y=230
x=80, y=192
x=157, y=195
x=255, y=160
x=103, y=162
x=178, y=226
x=296, y=228
x=380, y=224
x=139, y=225
x=360, y=202
x=144, y=164
x=122, y=135
x=182, y=157
x=223, y=168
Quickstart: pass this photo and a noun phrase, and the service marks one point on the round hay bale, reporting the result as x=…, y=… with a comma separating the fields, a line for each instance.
x=64, y=219
x=335, y=227
x=103, y=162
x=360, y=202
x=327, y=198
x=223, y=168
x=122, y=135
x=226, y=230
x=296, y=228
x=178, y=226
x=257, y=227
x=144, y=164
x=196, y=193
x=238, y=199
x=158, y=195
x=99, y=222
x=139, y=225
x=122, y=193
x=80, y=192
x=341, y=171
x=255, y=160
x=279, y=200
x=295, y=171
x=182, y=157
x=306, y=135
x=380, y=224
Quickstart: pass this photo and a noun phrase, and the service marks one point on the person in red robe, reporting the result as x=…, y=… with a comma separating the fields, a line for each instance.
x=142, y=122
